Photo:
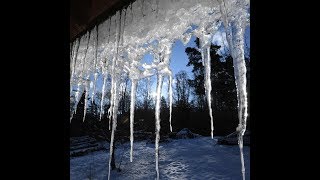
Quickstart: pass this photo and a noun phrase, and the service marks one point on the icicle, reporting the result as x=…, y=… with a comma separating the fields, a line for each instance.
x=71, y=117
x=103, y=94
x=235, y=37
x=112, y=100
x=207, y=60
x=85, y=56
x=95, y=65
x=163, y=60
x=142, y=23
x=119, y=33
x=91, y=88
x=72, y=64
x=111, y=105
x=94, y=86
x=205, y=43
x=86, y=74
x=86, y=99
x=114, y=120
x=240, y=142
x=72, y=49
x=158, y=106
x=85, y=105
x=77, y=97
x=170, y=99
x=148, y=88
x=132, y=104
x=73, y=67
x=81, y=78
x=77, y=45
x=114, y=62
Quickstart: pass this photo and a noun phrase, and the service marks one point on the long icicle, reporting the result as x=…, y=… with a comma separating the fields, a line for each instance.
x=83, y=68
x=115, y=79
x=132, y=105
x=114, y=122
x=85, y=99
x=111, y=91
x=158, y=106
x=72, y=52
x=94, y=86
x=77, y=97
x=71, y=65
x=103, y=94
x=95, y=64
x=235, y=38
x=86, y=81
x=76, y=100
x=85, y=105
x=73, y=61
x=110, y=111
x=132, y=38
x=77, y=45
x=208, y=69
x=170, y=99
x=114, y=63
x=77, y=94
x=205, y=53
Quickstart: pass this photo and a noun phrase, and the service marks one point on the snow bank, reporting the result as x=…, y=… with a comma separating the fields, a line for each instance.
x=198, y=158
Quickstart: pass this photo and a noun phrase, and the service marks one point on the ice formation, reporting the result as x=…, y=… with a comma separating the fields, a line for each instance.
x=116, y=47
x=235, y=17
x=170, y=101
x=132, y=104
x=158, y=99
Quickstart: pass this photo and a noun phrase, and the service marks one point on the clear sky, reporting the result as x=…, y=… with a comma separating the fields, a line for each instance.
x=179, y=58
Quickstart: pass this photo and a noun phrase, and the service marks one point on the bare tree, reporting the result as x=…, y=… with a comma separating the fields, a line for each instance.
x=144, y=92
x=124, y=103
x=182, y=88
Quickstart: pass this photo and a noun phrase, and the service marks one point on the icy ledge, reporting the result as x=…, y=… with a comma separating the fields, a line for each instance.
x=115, y=49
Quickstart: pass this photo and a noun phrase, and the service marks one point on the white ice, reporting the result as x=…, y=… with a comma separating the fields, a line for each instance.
x=117, y=45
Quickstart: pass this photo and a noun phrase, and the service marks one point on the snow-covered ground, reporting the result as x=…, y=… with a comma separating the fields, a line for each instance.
x=199, y=158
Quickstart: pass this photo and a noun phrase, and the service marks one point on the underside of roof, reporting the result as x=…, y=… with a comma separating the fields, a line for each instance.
x=85, y=14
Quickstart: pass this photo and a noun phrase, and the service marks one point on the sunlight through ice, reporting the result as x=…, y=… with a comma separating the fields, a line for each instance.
x=116, y=47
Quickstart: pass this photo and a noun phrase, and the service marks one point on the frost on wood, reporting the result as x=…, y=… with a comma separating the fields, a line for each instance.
x=115, y=48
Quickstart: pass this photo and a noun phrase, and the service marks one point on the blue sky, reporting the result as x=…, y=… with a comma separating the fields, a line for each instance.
x=179, y=58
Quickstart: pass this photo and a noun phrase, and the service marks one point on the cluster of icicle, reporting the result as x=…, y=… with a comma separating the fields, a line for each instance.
x=115, y=48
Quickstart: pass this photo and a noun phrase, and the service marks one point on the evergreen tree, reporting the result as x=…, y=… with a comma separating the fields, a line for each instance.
x=222, y=79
